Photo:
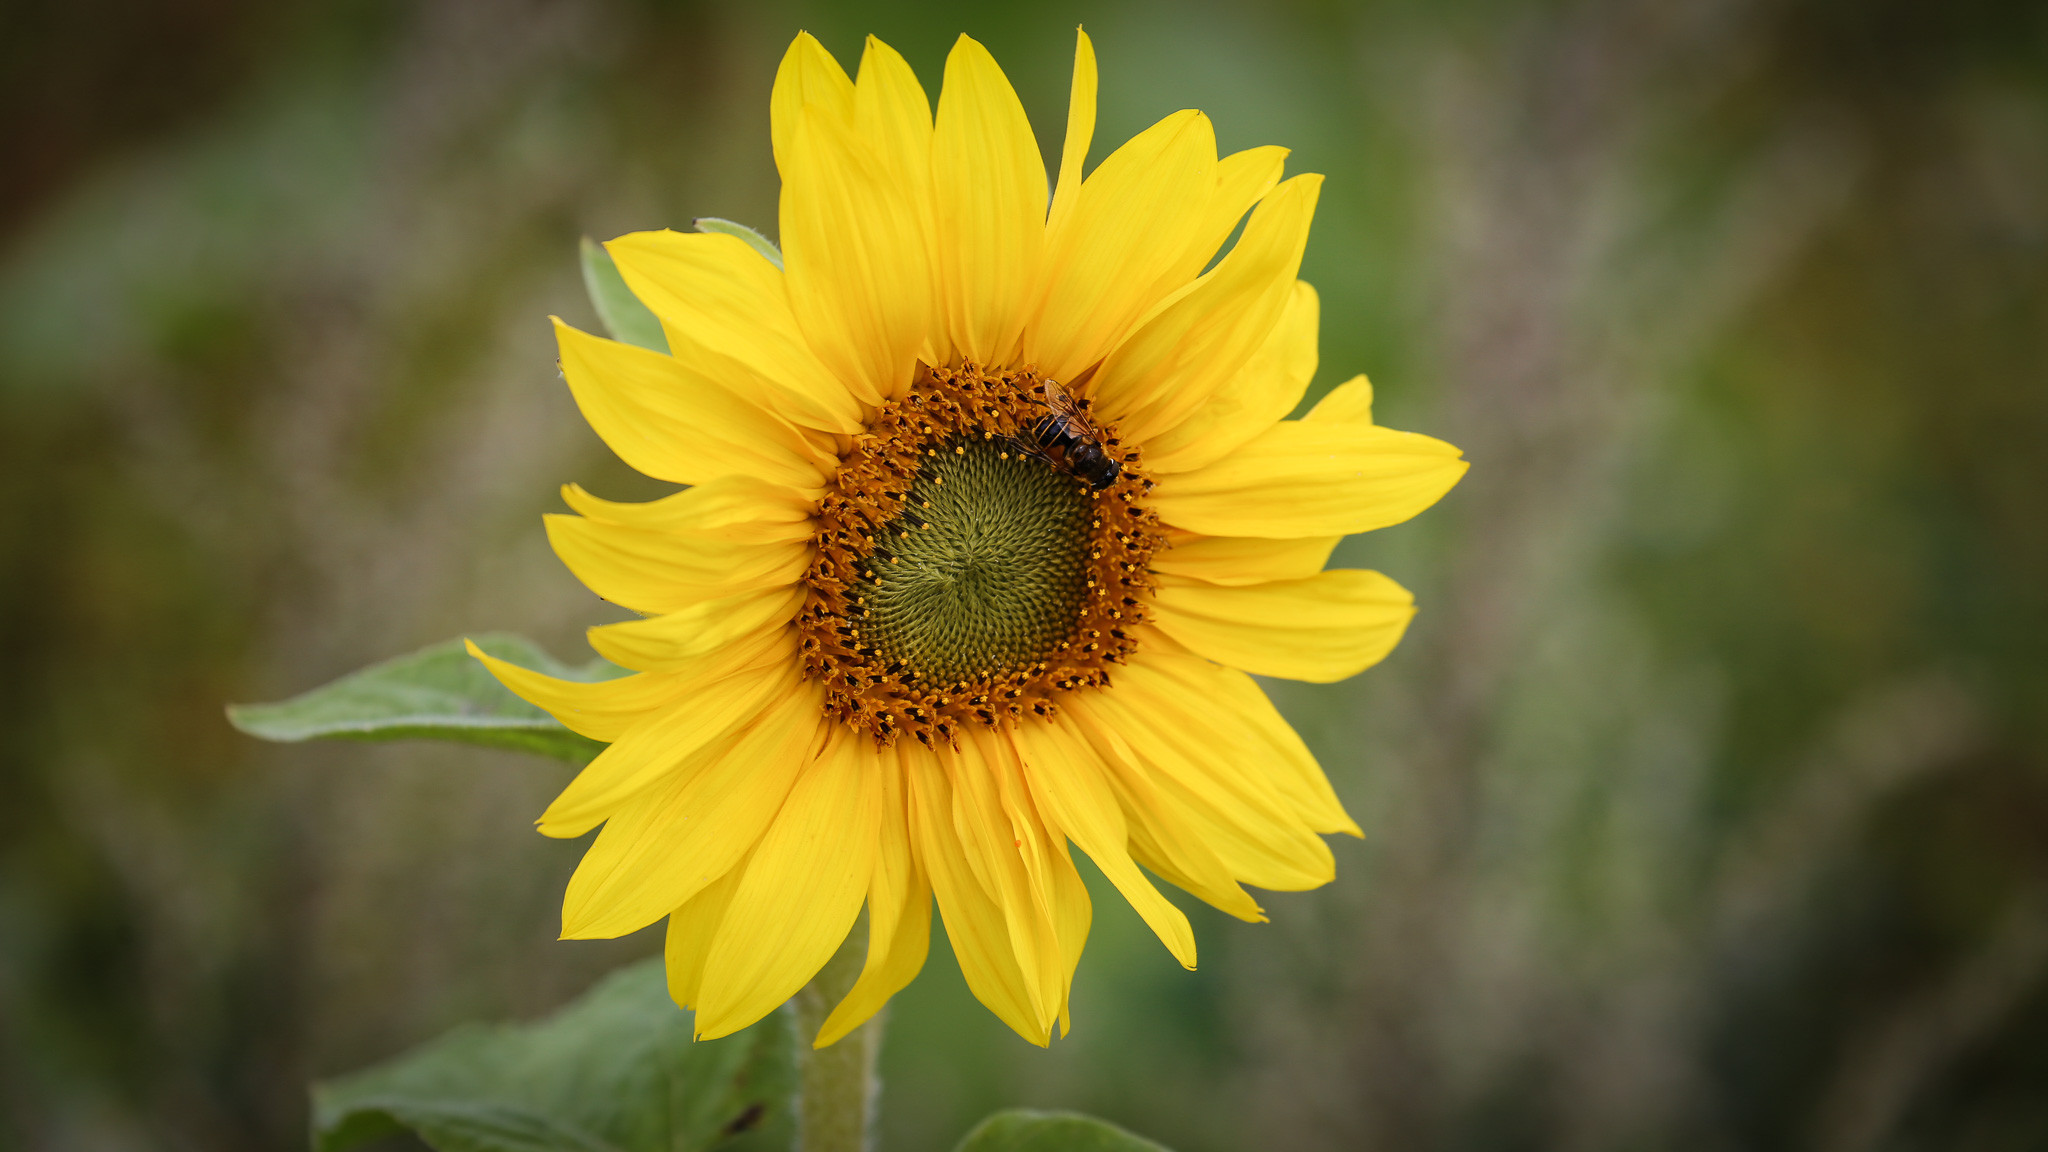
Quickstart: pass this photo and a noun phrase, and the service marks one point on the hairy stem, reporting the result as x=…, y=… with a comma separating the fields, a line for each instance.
x=836, y=1108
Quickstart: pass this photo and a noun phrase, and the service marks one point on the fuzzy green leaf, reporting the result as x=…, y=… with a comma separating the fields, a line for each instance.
x=616, y=1071
x=1026, y=1130
x=760, y=243
x=436, y=693
x=625, y=317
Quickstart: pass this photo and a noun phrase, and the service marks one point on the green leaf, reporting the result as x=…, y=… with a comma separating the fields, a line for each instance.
x=615, y=1071
x=625, y=317
x=1025, y=1130
x=760, y=243
x=436, y=693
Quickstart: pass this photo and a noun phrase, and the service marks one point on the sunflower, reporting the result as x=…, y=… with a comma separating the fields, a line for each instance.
x=992, y=514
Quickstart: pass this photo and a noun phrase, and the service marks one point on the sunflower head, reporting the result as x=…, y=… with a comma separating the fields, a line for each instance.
x=991, y=507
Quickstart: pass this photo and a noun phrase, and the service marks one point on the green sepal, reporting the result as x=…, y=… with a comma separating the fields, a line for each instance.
x=616, y=1071
x=624, y=316
x=1026, y=1130
x=437, y=693
x=758, y=242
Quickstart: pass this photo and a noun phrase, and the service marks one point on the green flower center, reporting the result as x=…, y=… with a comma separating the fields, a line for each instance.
x=985, y=570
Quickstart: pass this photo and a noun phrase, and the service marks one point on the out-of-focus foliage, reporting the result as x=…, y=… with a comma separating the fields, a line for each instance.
x=615, y=1071
x=1026, y=1130
x=437, y=693
x=1707, y=800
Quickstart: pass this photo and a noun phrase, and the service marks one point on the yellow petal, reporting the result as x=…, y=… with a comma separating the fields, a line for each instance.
x=1134, y=219
x=1242, y=180
x=1214, y=769
x=1007, y=847
x=892, y=115
x=1347, y=403
x=602, y=709
x=667, y=642
x=745, y=629
x=1302, y=479
x=1165, y=836
x=1322, y=628
x=1235, y=561
x=1073, y=911
x=1191, y=349
x=974, y=921
x=722, y=305
x=802, y=890
x=678, y=425
x=651, y=750
x=1258, y=397
x=1080, y=131
x=854, y=248
x=671, y=840
x=662, y=571
x=740, y=509
x=691, y=930
x=988, y=198
x=1268, y=745
x=1067, y=779
x=899, y=914
x=808, y=77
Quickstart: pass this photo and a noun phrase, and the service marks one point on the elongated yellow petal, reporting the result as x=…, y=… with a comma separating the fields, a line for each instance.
x=808, y=77
x=802, y=890
x=1263, y=393
x=1050, y=871
x=602, y=710
x=1180, y=358
x=1214, y=770
x=657, y=571
x=716, y=636
x=1269, y=746
x=721, y=304
x=739, y=509
x=665, y=643
x=988, y=198
x=859, y=280
x=899, y=913
x=1321, y=479
x=1235, y=561
x=676, y=424
x=1165, y=836
x=1347, y=403
x=608, y=709
x=670, y=841
x=691, y=929
x=1073, y=912
x=1242, y=180
x=653, y=749
x=1322, y=628
x=974, y=921
x=1134, y=219
x=1006, y=846
x=1067, y=780
x=892, y=114
x=1080, y=131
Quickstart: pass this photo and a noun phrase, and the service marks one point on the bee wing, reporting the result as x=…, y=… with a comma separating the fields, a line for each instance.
x=1056, y=398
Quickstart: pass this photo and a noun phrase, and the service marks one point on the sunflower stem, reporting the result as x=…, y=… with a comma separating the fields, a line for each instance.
x=840, y=1087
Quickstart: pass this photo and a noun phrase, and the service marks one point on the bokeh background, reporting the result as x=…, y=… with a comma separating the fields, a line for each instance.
x=1707, y=799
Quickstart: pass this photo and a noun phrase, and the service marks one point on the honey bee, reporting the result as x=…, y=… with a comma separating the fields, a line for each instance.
x=1069, y=429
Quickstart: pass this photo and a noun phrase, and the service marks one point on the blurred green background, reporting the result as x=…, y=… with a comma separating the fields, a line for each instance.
x=1707, y=800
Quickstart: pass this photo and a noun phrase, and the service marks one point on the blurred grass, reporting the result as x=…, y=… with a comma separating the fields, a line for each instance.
x=1707, y=801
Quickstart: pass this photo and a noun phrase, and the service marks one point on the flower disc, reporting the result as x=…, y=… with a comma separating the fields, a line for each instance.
x=961, y=575
x=986, y=568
